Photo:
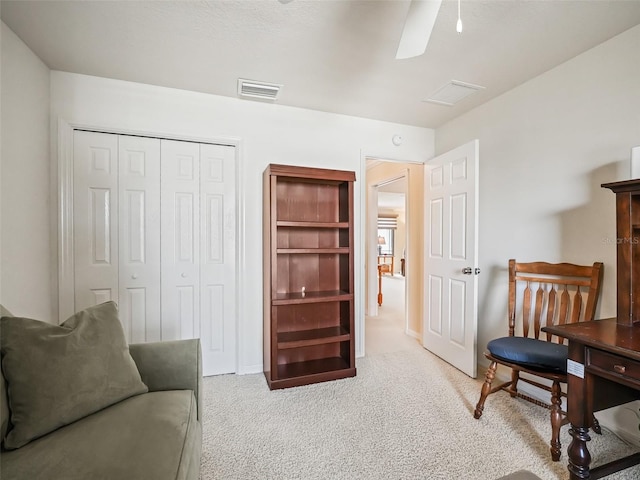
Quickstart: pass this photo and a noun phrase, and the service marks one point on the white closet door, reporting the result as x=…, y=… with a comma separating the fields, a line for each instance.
x=180, y=239
x=139, y=235
x=218, y=254
x=155, y=230
x=95, y=206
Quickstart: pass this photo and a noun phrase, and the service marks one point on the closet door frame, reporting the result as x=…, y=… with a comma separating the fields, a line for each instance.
x=62, y=177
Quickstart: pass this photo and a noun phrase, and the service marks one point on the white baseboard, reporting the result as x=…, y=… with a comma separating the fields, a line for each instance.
x=413, y=334
x=623, y=420
x=249, y=369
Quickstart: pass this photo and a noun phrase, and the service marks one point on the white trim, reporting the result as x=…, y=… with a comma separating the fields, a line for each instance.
x=228, y=141
x=358, y=262
x=241, y=263
x=409, y=227
x=371, y=208
x=249, y=369
x=414, y=334
x=371, y=259
x=64, y=164
x=65, y=220
x=389, y=180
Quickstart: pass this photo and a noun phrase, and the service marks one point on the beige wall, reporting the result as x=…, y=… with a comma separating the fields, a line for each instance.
x=25, y=209
x=414, y=214
x=545, y=149
x=400, y=238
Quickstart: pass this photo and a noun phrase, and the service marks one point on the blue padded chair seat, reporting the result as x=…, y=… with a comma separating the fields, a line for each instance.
x=529, y=352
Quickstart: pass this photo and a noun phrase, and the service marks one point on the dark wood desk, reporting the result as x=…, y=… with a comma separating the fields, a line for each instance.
x=604, y=370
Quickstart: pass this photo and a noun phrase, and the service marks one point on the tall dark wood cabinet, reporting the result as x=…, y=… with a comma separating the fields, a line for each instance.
x=628, y=249
x=308, y=275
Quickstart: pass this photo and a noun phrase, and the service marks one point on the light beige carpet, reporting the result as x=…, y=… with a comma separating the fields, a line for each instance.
x=520, y=475
x=385, y=332
x=406, y=415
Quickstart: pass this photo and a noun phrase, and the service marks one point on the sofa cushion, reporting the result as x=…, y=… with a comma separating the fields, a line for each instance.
x=4, y=406
x=57, y=374
x=153, y=436
x=530, y=352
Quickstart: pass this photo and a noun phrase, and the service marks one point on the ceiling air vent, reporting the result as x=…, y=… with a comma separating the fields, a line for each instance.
x=453, y=92
x=259, y=90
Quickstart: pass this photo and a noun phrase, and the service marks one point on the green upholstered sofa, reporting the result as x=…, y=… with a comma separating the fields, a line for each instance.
x=155, y=435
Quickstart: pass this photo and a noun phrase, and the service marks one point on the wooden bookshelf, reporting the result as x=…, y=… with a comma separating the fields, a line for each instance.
x=308, y=275
x=627, y=249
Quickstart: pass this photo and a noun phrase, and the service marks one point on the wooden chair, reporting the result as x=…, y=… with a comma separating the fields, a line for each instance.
x=542, y=294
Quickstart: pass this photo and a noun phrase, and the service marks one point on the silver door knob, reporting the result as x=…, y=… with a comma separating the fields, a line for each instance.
x=467, y=270
x=476, y=271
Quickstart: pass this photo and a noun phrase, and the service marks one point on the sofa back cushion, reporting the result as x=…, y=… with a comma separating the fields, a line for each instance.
x=57, y=374
x=4, y=401
x=4, y=407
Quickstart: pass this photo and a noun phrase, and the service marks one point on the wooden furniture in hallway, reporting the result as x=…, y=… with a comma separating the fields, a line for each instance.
x=308, y=275
x=382, y=268
x=387, y=266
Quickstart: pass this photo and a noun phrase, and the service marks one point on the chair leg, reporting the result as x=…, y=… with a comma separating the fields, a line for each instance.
x=515, y=377
x=596, y=425
x=556, y=421
x=486, y=389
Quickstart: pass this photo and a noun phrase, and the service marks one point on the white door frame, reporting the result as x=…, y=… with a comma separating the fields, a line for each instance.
x=372, y=246
x=367, y=244
x=63, y=162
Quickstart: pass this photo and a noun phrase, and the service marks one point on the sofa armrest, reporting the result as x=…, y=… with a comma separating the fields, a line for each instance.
x=173, y=365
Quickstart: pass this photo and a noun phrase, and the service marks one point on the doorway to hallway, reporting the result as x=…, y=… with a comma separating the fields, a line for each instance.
x=385, y=332
x=386, y=321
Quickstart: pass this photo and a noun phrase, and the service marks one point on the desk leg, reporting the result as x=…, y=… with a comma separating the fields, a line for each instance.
x=579, y=412
x=579, y=456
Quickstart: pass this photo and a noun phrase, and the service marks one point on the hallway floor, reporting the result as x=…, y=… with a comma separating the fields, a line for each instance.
x=385, y=333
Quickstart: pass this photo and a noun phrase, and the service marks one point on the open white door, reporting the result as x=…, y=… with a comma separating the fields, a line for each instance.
x=451, y=257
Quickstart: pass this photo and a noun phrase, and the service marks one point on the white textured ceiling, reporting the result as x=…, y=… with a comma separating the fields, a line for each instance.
x=331, y=55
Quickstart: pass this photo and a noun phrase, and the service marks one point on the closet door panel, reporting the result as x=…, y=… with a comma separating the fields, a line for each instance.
x=95, y=211
x=180, y=239
x=218, y=240
x=155, y=231
x=139, y=237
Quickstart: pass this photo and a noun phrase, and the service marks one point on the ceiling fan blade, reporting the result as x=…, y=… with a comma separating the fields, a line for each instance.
x=417, y=28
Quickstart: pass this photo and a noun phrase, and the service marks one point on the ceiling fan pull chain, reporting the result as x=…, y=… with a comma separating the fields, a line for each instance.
x=459, y=24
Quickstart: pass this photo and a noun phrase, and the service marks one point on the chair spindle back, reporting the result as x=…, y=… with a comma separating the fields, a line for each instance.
x=552, y=294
